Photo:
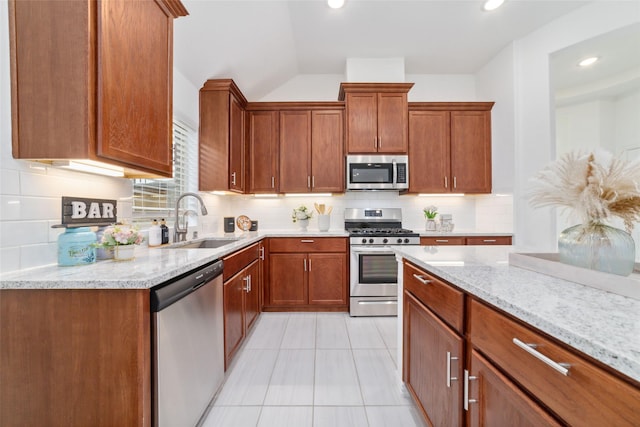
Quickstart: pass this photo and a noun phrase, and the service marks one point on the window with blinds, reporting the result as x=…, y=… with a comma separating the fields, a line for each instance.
x=156, y=198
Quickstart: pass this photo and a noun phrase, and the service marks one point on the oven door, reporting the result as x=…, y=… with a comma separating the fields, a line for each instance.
x=374, y=272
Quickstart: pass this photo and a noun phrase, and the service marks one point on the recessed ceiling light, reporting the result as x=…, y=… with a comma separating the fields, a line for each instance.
x=492, y=4
x=588, y=61
x=335, y=4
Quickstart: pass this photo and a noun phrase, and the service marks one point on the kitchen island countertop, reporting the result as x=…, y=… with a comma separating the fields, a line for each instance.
x=151, y=267
x=600, y=324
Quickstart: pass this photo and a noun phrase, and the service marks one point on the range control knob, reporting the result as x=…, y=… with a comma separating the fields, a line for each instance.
x=370, y=240
x=399, y=241
x=364, y=240
x=385, y=240
x=406, y=240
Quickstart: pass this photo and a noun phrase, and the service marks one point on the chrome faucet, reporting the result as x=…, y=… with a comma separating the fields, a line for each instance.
x=180, y=234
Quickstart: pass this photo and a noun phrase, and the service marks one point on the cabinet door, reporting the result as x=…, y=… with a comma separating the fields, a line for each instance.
x=236, y=145
x=392, y=122
x=287, y=273
x=295, y=151
x=327, y=151
x=471, y=151
x=263, y=151
x=327, y=277
x=233, y=315
x=427, y=344
x=362, y=123
x=252, y=296
x=499, y=402
x=134, y=84
x=429, y=168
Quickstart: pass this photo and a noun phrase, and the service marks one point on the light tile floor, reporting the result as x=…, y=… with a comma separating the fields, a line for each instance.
x=315, y=369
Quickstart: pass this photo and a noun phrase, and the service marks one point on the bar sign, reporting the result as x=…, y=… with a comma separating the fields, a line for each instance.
x=83, y=212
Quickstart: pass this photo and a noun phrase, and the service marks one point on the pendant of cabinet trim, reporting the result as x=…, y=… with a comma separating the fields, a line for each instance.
x=454, y=141
x=93, y=80
x=376, y=117
x=221, y=137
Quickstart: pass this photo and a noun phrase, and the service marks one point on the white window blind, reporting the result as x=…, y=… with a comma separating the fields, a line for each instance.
x=156, y=198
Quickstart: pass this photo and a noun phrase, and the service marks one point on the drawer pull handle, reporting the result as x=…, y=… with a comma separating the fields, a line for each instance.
x=442, y=241
x=449, y=377
x=489, y=240
x=422, y=280
x=306, y=241
x=466, y=399
x=563, y=368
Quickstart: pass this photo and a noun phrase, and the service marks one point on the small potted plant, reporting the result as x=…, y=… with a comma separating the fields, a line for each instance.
x=430, y=213
x=122, y=239
x=301, y=215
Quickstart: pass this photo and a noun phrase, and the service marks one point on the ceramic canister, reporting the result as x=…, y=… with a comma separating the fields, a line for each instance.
x=75, y=247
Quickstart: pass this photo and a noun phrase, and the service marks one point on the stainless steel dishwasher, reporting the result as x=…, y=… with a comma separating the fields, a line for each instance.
x=188, y=345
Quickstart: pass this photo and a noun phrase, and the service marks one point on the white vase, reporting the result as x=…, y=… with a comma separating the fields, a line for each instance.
x=124, y=252
x=303, y=223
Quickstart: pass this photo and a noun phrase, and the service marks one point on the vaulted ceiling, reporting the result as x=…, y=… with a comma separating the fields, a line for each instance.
x=262, y=44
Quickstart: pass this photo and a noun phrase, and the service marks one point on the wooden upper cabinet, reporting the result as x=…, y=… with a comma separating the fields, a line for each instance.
x=263, y=151
x=471, y=151
x=327, y=151
x=311, y=151
x=295, y=150
x=377, y=117
x=450, y=147
x=429, y=145
x=104, y=92
x=221, y=137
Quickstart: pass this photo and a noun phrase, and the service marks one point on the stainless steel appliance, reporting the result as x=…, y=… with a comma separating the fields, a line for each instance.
x=188, y=345
x=373, y=267
x=377, y=172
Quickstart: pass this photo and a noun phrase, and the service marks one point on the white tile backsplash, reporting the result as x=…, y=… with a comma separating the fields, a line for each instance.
x=30, y=203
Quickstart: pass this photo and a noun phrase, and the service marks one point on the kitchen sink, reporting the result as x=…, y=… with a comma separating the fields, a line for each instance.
x=210, y=243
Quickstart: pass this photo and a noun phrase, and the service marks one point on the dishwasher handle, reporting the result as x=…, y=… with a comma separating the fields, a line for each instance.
x=167, y=293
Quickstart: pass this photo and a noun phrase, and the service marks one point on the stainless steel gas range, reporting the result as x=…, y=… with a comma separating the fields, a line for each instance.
x=374, y=270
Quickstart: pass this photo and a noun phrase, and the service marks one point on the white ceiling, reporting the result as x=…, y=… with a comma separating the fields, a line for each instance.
x=262, y=44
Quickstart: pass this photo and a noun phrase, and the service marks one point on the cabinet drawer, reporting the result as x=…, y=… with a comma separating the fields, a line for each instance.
x=587, y=395
x=441, y=298
x=239, y=260
x=308, y=244
x=489, y=240
x=437, y=241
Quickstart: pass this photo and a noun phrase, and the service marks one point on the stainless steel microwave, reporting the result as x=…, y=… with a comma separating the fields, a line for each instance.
x=377, y=172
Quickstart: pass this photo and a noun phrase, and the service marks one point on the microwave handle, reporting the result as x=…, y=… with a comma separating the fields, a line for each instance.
x=395, y=173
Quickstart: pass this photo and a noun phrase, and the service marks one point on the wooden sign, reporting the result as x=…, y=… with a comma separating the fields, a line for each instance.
x=82, y=212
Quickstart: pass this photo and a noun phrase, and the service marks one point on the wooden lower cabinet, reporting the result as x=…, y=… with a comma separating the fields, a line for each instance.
x=494, y=400
x=465, y=240
x=432, y=364
x=307, y=274
x=75, y=357
x=507, y=384
x=241, y=291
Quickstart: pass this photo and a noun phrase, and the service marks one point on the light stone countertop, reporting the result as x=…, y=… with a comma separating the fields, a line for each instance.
x=151, y=267
x=600, y=324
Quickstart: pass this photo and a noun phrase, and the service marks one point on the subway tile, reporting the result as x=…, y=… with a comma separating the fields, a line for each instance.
x=9, y=259
x=9, y=182
x=39, y=255
x=15, y=233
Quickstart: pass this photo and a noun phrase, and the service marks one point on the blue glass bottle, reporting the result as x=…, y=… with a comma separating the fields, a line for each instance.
x=75, y=247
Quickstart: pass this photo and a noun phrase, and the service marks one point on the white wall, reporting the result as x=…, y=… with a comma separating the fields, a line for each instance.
x=534, y=142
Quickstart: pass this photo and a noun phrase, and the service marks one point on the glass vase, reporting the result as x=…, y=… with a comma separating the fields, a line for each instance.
x=597, y=246
x=430, y=225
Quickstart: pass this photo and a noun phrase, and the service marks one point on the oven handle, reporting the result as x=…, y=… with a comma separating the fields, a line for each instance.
x=372, y=251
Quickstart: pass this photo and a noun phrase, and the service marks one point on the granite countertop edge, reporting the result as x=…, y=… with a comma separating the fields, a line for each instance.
x=597, y=323
x=151, y=266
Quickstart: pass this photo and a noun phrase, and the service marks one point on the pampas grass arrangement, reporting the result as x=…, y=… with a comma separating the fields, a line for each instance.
x=596, y=186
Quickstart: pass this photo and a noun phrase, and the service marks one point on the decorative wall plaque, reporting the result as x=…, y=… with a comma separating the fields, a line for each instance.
x=83, y=212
